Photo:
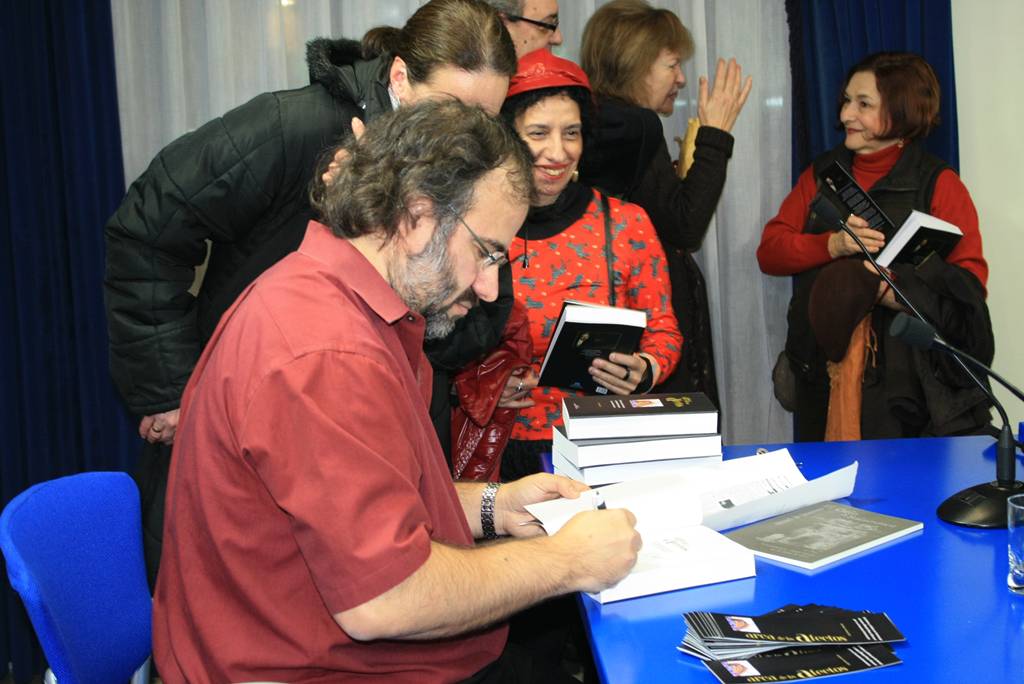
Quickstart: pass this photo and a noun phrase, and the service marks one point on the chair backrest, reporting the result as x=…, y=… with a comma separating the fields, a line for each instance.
x=74, y=553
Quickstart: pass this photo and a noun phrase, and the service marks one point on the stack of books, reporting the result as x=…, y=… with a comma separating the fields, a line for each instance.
x=793, y=642
x=608, y=439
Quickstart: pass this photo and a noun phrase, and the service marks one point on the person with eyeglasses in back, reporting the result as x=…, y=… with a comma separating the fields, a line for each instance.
x=533, y=24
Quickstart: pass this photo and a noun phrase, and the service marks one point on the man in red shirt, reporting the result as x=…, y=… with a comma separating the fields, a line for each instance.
x=312, y=531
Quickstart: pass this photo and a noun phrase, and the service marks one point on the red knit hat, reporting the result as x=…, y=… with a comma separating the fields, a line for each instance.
x=541, y=69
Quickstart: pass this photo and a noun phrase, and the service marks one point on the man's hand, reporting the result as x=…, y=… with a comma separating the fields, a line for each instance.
x=159, y=427
x=516, y=393
x=510, y=516
x=604, y=545
x=358, y=128
x=729, y=92
x=840, y=244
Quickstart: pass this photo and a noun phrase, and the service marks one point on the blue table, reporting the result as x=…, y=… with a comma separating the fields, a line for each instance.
x=944, y=587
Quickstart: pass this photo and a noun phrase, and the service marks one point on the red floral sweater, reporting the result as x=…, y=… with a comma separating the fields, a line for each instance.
x=571, y=265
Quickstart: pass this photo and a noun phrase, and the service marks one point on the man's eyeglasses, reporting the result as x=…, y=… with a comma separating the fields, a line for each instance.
x=549, y=25
x=495, y=258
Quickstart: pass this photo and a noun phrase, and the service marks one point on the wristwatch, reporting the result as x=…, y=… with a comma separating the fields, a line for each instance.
x=487, y=510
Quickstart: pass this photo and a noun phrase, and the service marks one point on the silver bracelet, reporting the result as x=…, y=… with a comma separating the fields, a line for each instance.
x=487, y=510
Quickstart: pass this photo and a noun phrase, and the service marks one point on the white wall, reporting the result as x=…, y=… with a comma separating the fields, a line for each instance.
x=990, y=109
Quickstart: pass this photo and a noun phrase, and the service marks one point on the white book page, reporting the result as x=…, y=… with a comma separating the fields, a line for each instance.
x=735, y=492
x=659, y=503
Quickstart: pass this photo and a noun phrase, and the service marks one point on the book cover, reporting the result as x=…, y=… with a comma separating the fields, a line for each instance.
x=584, y=453
x=803, y=663
x=920, y=236
x=583, y=333
x=821, y=534
x=639, y=415
x=623, y=472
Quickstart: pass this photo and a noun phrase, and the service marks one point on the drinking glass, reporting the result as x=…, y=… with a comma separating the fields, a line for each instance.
x=1015, y=527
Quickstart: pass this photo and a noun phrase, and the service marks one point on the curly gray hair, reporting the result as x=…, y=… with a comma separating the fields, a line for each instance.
x=435, y=149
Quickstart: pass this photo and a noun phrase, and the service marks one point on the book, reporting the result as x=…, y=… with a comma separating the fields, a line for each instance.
x=621, y=472
x=583, y=333
x=678, y=552
x=795, y=664
x=920, y=235
x=689, y=557
x=720, y=636
x=792, y=643
x=818, y=535
x=584, y=453
x=639, y=415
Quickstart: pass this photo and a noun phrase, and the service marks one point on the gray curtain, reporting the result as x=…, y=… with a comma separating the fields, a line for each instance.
x=183, y=62
x=748, y=309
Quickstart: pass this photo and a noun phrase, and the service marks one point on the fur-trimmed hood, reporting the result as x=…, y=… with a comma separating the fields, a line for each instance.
x=338, y=65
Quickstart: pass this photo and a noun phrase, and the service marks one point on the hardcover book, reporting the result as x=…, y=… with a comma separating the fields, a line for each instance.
x=583, y=453
x=640, y=415
x=821, y=534
x=583, y=333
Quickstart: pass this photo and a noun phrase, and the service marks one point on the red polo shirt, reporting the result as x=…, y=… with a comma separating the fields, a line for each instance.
x=306, y=479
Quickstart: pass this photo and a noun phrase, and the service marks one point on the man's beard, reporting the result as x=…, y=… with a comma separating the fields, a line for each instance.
x=427, y=285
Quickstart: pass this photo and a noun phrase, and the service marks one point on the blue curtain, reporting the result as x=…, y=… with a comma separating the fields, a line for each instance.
x=827, y=38
x=60, y=178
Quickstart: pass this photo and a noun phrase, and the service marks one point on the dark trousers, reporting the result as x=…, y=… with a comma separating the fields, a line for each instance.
x=151, y=477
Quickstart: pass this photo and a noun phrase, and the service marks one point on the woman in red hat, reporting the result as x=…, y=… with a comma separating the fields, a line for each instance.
x=577, y=244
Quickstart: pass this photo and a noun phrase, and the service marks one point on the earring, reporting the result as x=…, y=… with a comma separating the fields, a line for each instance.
x=575, y=175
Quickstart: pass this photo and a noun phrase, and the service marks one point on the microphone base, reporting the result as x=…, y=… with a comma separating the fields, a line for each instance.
x=983, y=505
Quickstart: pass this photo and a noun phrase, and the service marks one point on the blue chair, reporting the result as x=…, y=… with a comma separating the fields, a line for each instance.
x=74, y=553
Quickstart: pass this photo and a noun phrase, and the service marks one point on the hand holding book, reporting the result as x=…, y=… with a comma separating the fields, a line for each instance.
x=624, y=373
x=840, y=244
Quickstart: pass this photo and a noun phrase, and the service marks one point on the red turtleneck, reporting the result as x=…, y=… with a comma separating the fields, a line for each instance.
x=786, y=250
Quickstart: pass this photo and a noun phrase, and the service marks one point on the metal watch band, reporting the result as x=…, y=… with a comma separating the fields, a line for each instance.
x=487, y=510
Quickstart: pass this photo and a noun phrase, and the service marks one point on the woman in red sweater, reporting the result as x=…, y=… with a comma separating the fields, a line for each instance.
x=849, y=379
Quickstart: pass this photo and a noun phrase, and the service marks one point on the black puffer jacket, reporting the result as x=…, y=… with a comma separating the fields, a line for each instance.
x=240, y=182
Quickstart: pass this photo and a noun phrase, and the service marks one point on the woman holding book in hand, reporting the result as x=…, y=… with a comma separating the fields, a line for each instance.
x=841, y=373
x=577, y=244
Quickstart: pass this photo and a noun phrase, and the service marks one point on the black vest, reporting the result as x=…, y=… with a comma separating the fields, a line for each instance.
x=909, y=185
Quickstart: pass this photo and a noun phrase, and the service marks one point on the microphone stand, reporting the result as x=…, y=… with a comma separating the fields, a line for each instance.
x=983, y=505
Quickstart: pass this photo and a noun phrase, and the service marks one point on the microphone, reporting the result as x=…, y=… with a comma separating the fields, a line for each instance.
x=982, y=505
x=985, y=503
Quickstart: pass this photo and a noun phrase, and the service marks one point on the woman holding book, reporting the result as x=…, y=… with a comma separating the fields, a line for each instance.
x=841, y=373
x=577, y=244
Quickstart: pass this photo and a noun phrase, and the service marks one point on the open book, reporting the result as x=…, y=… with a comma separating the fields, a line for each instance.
x=583, y=333
x=678, y=515
x=677, y=551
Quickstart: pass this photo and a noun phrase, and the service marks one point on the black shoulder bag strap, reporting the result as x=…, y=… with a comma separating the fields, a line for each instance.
x=608, y=246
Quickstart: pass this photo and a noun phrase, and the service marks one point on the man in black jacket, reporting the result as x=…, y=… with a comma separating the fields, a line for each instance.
x=240, y=185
